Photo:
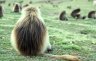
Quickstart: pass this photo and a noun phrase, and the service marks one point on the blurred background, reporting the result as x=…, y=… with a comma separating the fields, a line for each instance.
x=73, y=36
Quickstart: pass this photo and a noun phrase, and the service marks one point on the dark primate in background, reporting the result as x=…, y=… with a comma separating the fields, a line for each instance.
x=92, y=14
x=63, y=16
x=1, y=11
x=30, y=36
x=16, y=7
x=76, y=13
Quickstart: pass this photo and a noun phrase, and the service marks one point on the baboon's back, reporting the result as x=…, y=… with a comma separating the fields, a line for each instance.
x=30, y=36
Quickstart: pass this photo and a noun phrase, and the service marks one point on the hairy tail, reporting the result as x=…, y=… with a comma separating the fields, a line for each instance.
x=63, y=57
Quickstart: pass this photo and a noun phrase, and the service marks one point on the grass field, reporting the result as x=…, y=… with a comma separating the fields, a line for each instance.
x=76, y=37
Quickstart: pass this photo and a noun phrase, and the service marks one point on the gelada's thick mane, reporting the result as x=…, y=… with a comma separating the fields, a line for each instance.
x=30, y=35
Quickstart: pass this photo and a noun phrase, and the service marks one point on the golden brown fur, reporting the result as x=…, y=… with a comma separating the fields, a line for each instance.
x=30, y=33
x=30, y=36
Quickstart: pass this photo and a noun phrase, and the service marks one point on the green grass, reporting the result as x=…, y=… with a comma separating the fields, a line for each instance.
x=76, y=37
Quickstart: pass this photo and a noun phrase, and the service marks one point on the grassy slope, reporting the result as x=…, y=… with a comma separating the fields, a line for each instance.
x=65, y=36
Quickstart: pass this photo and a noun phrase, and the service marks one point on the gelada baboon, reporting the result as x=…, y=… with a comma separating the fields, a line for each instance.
x=30, y=35
x=63, y=16
x=16, y=7
x=1, y=11
x=76, y=13
x=92, y=14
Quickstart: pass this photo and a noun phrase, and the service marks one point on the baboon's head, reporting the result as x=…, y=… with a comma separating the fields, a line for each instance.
x=31, y=10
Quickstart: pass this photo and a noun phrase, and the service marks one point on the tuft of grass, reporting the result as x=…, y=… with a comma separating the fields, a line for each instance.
x=86, y=31
x=72, y=47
